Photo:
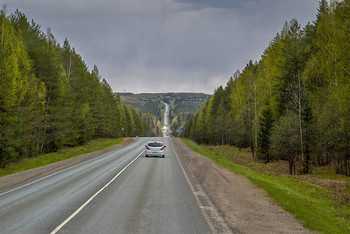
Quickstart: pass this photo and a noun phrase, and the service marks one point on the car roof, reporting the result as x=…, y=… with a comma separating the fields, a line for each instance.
x=155, y=142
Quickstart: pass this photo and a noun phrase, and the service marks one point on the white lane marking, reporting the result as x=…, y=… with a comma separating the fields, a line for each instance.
x=45, y=177
x=214, y=214
x=206, y=216
x=91, y=198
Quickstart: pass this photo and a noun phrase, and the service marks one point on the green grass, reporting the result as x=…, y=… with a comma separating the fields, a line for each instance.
x=62, y=154
x=311, y=204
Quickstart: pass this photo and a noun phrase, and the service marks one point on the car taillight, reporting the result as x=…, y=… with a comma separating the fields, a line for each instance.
x=147, y=147
x=162, y=148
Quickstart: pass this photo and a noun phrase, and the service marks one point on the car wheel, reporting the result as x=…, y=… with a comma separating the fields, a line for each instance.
x=146, y=155
x=163, y=156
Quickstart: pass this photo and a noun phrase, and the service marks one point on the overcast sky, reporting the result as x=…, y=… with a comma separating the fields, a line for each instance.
x=166, y=45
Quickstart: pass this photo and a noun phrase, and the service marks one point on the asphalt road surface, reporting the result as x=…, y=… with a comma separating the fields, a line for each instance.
x=166, y=129
x=119, y=192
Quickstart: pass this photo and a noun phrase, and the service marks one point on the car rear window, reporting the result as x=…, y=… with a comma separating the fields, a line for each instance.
x=155, y=144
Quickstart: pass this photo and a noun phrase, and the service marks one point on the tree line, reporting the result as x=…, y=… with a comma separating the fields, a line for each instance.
x=182, y=106
x=48, y=97
x=293, y=104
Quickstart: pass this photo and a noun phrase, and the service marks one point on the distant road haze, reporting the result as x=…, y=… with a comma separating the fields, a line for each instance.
x=166, y=121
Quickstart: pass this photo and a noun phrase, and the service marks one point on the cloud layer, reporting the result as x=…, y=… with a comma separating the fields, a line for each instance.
x=166, y=45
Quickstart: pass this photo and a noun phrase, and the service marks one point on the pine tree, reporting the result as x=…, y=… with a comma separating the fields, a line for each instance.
x=264, y=134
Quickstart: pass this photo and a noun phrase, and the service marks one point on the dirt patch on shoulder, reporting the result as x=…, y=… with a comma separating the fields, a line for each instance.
x=244, y=207
x=18, y=179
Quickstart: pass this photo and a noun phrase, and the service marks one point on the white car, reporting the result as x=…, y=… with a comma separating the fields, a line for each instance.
x=155, y=148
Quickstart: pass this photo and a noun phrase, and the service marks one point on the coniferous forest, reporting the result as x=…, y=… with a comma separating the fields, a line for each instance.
x=294, y=103
x=48, y=97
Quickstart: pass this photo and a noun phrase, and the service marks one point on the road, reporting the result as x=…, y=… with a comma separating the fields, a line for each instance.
x=166, y=129
x=151, y=195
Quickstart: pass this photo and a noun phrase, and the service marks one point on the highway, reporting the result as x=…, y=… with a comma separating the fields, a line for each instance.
x=152, y=195
x=119, y=192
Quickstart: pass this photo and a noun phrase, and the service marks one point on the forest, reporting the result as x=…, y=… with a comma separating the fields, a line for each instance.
x=182, y=107
x=48, y=97
x=293, y=104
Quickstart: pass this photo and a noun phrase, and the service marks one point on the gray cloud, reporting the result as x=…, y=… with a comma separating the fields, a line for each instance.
x=224, y=4
x=166, y=45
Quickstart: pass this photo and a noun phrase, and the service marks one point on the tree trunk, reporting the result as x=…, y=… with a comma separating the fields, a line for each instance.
x=252, y=147
x=267, y=157
x=300, y=120
x=2, y=32
x=291, y=165
x=69, y=66
x=307, y=163
x=255, y=120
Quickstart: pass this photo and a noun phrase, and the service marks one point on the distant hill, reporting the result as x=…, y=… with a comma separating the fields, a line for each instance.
x=153, y=102
x=182, y=105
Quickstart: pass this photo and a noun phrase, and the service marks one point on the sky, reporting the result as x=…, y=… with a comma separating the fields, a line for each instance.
x=166, y=45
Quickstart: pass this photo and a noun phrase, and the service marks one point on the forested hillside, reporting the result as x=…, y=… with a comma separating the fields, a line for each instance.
x=182, y=107
x=48, y=97
x=293, y=104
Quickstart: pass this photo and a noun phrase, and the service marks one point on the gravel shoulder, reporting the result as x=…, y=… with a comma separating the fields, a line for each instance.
x=18, y=179
x=244, y=207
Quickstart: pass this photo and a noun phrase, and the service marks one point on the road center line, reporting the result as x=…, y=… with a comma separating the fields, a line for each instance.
x=91, y=198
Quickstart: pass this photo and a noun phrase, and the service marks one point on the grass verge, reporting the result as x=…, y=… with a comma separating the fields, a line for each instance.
x=62, y=154
x=311, y=204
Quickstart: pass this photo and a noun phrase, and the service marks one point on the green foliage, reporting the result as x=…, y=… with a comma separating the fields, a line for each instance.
x=303, y=77
x=240, y=137
x=48, y=97
x=285, y=139
x=265, y=123
x=17, y=90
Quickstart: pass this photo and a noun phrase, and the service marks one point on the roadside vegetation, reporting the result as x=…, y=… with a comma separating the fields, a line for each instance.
x=49, y=98
x=321, y=201
x=62, y=154
x=292, y=104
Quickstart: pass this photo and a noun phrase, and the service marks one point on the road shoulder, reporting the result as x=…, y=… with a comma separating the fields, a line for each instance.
x=245, y=208
x=19, y=179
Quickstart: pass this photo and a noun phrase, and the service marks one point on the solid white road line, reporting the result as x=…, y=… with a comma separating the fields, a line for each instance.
x=209, y=212
x=91, y=198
